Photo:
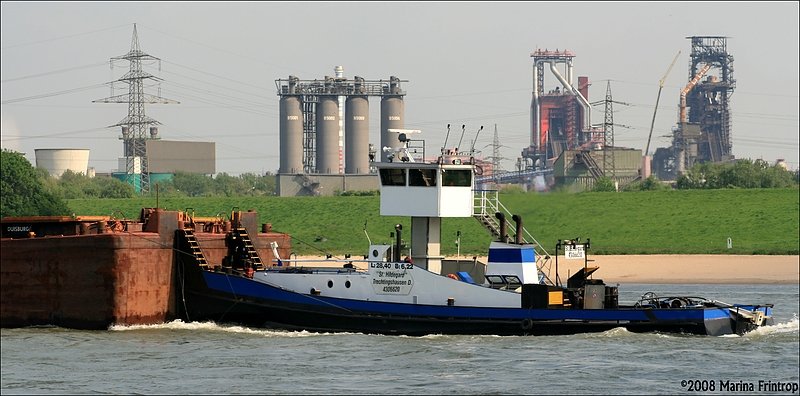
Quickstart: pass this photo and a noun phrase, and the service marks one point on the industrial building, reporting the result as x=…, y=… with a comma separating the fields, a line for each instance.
x=324, y=132
x=324, y=128
x=167, y=157
x=703, y=131
x=565, y=146
x=581, y=168
x=560, y=119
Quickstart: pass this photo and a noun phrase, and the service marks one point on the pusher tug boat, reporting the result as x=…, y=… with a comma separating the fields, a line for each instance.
x=417, y=292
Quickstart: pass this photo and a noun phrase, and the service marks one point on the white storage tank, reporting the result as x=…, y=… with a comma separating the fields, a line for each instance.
x=56, y=161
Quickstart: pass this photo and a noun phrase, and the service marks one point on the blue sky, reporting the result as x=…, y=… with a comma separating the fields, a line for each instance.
x=465, y=62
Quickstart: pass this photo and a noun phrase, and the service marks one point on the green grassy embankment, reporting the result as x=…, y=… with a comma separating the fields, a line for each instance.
x=758, y=221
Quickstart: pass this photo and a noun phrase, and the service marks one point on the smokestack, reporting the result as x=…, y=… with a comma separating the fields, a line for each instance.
x=503, y=234
x=518, y=236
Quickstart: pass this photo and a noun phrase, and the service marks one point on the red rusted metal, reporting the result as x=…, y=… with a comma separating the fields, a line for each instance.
x=73, y=275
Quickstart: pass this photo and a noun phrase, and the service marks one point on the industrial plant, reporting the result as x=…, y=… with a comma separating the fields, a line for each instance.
x=146, y=158
x=324, y=132
x=324, y=128
x=566, y=147
x=703, y=131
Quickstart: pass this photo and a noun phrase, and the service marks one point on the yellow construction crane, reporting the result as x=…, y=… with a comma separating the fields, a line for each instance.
x=688, y=87
x=660, y=87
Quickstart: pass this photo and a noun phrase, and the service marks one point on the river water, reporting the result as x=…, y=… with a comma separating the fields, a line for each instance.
x=206, y=358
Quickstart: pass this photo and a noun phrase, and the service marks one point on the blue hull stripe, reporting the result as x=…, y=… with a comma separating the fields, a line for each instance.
x=237, y=286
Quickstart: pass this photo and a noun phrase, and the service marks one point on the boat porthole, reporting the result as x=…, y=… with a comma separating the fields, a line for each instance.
x=330, y=283
x=347, y=284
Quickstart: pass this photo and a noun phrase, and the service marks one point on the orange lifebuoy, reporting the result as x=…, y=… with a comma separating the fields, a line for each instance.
x=250, y=272
x=452, y=276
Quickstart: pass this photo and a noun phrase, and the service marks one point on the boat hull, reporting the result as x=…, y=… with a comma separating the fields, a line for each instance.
x=223, y=297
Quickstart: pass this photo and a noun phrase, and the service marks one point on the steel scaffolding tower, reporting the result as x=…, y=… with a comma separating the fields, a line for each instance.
x=703, y=132
x=708, y=101
x=135, y=125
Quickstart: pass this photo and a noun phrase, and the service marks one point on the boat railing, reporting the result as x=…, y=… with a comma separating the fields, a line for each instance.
x=652, y=300
x=315, y=270
x=319, y=265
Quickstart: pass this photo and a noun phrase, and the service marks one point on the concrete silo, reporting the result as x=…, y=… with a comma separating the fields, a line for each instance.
x=392, y=114
x=357, y=131
x=291, y=131
x=57, y=161
x=327, y=120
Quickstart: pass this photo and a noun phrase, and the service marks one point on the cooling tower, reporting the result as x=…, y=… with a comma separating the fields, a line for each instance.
x=56, y=161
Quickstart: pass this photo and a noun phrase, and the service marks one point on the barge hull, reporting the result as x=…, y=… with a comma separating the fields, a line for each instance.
x=75, y=275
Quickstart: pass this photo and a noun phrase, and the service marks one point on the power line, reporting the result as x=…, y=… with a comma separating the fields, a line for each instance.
x=208, y=46
x=53, y=134
x=63, y=37
x=53, y=72
x=213, y=75
x=51, y=94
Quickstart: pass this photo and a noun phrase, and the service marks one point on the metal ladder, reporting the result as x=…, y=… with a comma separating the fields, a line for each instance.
x=249, y=248
x=194, y=247
x=485, y=204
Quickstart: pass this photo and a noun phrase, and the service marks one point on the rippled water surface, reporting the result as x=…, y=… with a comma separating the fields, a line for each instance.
x=206, y=358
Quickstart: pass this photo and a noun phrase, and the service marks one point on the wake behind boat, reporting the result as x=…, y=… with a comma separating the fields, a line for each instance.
x=513, y=294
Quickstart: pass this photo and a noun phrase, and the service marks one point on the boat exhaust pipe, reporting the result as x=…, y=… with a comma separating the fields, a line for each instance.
x=518, y=236
x=503, y=234
x=397, y=229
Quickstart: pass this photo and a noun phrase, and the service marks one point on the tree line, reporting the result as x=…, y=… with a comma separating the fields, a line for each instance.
x=221, y=185
x=743, y=173
x=27, y=191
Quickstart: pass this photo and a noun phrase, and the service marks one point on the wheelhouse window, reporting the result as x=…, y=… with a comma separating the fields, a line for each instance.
x=457, y=178
x=393, y=177
x=422, y=177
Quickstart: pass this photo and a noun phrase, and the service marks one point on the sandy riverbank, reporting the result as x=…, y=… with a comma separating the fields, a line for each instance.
x=690, y=269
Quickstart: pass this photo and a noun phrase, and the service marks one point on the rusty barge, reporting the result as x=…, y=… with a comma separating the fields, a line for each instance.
x=91, y=272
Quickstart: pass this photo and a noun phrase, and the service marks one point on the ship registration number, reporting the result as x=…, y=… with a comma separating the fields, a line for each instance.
x=574, y=252
x=391, y=278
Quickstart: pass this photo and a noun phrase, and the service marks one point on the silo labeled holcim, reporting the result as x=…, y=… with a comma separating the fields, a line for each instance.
x=392, y=110
x=327, y=120
x=291, y=131
x=357, y=131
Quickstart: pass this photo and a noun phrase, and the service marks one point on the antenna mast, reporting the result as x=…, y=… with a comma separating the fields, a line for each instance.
x=463, y=128
x=472, y=149
x=444, y=146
